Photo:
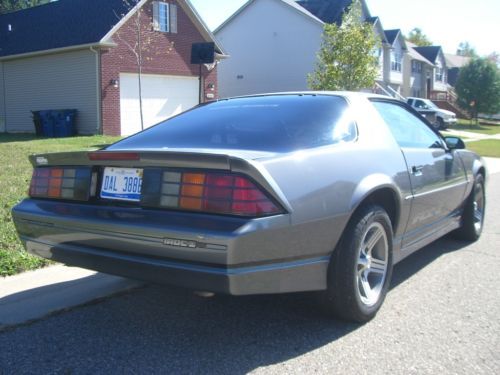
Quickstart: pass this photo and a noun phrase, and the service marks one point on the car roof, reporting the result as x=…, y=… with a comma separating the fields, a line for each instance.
x=346, y=94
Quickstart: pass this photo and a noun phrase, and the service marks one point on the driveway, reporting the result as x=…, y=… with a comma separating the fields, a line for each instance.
x=440, y=316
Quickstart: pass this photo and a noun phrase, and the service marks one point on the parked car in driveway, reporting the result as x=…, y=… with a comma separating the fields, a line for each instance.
x=311, y=191
x=440, y=118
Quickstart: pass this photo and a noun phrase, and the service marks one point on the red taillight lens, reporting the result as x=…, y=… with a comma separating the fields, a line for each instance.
x=61, y=182
x=214, y=193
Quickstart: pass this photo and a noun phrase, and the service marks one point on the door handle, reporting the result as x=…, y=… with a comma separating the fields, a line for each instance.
x=417, y=170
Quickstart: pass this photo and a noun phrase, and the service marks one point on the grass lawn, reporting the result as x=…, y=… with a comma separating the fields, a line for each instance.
x=15, y=176
x=487, y=147
x=466, y=125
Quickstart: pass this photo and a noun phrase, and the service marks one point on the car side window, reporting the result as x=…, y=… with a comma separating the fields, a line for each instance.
x=420, y=104
x=408, y=129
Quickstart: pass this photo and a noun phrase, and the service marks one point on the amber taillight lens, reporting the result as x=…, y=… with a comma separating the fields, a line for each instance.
x=61, y=183
x=210, y=192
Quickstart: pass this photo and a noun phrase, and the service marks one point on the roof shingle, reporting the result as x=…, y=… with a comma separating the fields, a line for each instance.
x=58, y=24
x=326, y=10
x=430, y=53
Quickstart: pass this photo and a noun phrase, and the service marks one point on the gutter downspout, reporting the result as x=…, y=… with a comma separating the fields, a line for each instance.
x=99, y=129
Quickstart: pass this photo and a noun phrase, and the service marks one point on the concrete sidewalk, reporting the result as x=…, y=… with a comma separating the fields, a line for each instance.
x=35, y=294
x=471, y=136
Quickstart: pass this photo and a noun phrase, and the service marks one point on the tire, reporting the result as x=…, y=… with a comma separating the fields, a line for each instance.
x=440, y=125
x=473, y=213
x=360, y=271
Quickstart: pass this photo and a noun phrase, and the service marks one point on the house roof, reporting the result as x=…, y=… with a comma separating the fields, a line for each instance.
x=377, y=24
x=430, y=53
x=391, y=35
x=290, y=3
x=326, y=10
x=70, y=23
x=415, y=55
x=456, y=61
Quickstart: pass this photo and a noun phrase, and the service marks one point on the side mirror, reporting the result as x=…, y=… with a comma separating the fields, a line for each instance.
x=454, y=143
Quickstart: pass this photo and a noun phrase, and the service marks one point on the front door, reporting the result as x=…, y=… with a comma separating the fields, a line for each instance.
x=437, y=177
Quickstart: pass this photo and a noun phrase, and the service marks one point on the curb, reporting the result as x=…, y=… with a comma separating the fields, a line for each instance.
x=35, y=294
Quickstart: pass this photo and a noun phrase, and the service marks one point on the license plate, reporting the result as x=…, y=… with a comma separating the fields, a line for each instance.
x=122, y=184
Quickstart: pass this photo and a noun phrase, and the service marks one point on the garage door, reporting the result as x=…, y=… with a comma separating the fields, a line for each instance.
x=162, y=97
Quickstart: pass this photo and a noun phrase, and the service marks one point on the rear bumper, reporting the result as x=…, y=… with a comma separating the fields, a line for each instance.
x=234, y=256
x=270, y=278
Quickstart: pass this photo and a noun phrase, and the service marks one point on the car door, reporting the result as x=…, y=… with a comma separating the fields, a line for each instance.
x=437, y=176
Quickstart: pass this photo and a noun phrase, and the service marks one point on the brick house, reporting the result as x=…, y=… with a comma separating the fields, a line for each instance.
x=79, y=54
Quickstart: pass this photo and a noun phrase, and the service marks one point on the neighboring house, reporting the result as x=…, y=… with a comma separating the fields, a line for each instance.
x=380, y=52
x=454, y=63
x=330, y=11
x=273, y=44
x=77, y=54
x=394, y=55
x=416, y=71
x=437, y=86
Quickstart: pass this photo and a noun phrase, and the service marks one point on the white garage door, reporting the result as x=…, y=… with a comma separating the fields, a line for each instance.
x=162, y=97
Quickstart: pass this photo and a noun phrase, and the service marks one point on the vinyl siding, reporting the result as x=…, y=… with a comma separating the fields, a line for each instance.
x=58, y=81
x=272, y=47
x=441, y=63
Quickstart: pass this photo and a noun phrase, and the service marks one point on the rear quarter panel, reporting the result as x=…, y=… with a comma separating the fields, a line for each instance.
x=324, y=186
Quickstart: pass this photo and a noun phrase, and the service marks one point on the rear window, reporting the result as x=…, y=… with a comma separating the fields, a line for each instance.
x=279, y=123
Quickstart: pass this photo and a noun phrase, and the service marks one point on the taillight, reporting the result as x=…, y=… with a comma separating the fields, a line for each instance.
x=209, y=192
x=61, y=183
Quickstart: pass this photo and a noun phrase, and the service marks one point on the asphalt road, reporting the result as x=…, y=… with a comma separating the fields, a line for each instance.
x=442, y=315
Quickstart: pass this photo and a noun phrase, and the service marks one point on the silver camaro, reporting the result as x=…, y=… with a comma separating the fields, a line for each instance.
x=276, y=193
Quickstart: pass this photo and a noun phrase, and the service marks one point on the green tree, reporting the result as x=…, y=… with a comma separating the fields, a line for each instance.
x=465, y=49
x=416, y=36
x=478, y=87
x=7, y=6
x=347, y=58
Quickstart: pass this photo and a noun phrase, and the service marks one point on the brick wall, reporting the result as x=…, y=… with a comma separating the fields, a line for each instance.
x=163, y=53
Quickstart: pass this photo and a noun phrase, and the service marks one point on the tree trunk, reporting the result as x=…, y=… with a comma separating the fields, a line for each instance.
x=139, y=63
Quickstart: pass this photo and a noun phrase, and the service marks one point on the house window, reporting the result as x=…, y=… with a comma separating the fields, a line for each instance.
x=439, y=74
x=396, y=61
x=164, y=17
x=416, y=66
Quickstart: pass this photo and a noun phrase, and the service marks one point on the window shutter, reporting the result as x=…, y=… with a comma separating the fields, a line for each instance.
x=156, y=15
x=173, y=18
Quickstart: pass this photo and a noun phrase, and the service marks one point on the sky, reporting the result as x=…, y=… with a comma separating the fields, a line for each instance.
x=445, y=22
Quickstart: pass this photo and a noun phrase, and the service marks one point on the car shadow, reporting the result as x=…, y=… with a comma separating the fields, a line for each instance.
x=423, y=257
x=19, y=137
x=166, y=329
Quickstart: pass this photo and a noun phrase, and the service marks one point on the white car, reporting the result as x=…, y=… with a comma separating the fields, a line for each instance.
x=443, y=118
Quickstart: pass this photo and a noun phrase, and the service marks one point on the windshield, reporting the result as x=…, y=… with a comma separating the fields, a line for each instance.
x=430, y=104
x=277, y=123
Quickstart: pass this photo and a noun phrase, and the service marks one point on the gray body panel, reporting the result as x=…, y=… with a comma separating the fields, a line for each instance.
x=319, y=189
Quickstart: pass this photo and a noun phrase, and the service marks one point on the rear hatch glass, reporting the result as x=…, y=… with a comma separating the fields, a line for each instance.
x=276, y=123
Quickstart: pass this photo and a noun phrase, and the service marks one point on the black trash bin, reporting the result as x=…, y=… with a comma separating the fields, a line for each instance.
x=37, y=121
x=55, y=122
x=64, y=122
